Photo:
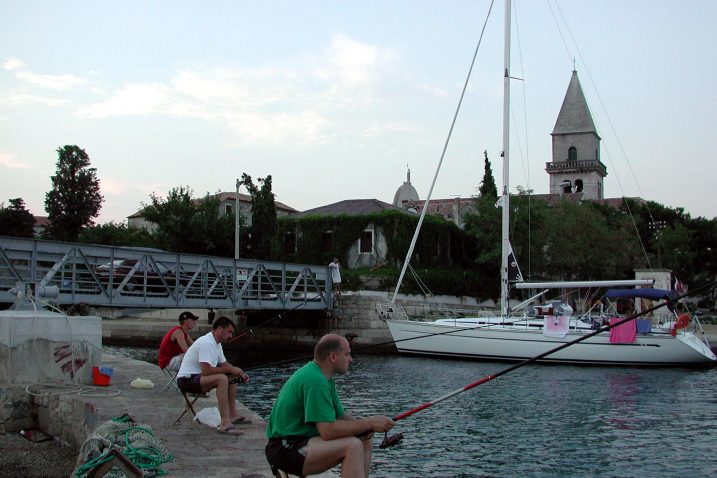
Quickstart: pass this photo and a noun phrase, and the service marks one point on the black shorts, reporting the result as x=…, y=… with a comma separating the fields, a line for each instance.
x=190, y=384
x=287, y=453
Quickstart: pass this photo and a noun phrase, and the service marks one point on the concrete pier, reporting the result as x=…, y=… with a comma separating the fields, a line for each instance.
x=197, y=449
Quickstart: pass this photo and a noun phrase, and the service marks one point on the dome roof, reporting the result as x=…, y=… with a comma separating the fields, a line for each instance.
x=405, y=193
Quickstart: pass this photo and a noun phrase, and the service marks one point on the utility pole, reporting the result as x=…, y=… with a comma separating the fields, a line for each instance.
x=236, y=223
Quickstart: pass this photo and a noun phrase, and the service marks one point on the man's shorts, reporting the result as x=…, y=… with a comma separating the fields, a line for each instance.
x=175, y=364
x=190, y=384
x=287, y=453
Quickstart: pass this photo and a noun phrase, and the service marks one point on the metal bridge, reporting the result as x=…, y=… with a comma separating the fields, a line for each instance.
x=142, y=277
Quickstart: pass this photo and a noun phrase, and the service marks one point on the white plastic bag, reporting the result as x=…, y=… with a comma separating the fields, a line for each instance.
x=209, y=417
x=141, y=383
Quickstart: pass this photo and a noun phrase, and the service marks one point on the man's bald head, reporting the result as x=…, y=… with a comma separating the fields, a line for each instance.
x=327, y=344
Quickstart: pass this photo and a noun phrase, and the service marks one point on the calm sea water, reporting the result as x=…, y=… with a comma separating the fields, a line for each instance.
x=537, y=421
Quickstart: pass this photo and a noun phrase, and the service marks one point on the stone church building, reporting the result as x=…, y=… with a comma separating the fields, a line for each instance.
x=575, y=172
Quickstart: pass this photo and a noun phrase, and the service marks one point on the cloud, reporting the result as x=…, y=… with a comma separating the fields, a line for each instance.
x=13, y=64
x=114, y=186
x=52, y=82
x=433, y=90
x=298, y=104
x=353, y=62
x=21, y=99
x=9, y=161
x=389, y=127
x=132, y=100
x=308, y=128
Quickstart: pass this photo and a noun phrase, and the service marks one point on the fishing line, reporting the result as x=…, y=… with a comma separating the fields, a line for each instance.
x=364, y=347
x=251, y=330
x=390, y=440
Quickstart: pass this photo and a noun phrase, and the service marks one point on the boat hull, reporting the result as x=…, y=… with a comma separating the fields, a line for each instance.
x=506, y=343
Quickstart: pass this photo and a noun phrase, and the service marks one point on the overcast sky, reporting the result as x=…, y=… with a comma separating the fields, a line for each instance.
x=334, y=99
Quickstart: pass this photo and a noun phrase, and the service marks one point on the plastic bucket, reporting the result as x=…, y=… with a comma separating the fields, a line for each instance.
x=101, y=376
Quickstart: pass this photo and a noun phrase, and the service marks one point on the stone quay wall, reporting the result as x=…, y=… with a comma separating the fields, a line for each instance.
x=355, y=313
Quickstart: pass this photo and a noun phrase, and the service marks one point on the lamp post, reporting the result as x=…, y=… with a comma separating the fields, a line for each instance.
x=236, y=223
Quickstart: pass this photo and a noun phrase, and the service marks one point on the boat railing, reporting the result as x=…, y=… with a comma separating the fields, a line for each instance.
x=386, y=311
x=698, y=326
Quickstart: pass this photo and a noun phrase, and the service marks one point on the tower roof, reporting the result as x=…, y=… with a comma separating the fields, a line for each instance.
x=574, y=116
x=405, y=192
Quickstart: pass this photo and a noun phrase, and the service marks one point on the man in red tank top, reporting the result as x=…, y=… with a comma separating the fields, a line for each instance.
x=176, y=342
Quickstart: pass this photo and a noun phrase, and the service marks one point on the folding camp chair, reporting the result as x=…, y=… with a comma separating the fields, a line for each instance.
x=189, y=404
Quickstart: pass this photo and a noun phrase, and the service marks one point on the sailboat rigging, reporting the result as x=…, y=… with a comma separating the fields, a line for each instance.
x=516, y=338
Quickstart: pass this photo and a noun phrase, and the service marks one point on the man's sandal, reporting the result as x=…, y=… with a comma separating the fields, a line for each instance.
x=229, y=431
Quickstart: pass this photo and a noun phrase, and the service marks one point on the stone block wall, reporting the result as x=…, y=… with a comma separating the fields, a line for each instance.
x=357, y=314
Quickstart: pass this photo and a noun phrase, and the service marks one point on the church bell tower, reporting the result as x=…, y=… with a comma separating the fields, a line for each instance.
x=576, y=165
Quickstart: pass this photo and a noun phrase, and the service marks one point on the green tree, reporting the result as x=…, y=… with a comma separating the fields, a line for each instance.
x=75, y=199
x=116, y=234
x=185, y=224
x=485, y=226
x=264, y=224
x=557, y=240
x=487, y=186
x=15, y=220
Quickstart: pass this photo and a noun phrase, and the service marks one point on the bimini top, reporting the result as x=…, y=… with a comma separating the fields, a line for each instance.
x=646, y=293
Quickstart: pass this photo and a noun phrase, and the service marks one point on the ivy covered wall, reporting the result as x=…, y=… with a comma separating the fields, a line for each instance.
x=318, y=239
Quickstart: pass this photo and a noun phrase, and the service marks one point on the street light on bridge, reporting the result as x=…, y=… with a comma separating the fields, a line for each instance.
x=236, y=223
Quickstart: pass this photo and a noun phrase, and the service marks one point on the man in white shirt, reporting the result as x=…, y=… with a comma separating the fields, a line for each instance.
x=204, y=368
x=335, y=267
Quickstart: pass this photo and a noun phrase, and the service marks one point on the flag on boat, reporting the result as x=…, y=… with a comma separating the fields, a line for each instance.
x=680, y=287
x=514, y=274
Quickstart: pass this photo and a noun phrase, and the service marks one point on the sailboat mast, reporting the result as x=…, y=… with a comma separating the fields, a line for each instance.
x=505, y=197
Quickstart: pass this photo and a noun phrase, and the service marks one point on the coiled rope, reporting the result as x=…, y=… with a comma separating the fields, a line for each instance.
x=136, y=442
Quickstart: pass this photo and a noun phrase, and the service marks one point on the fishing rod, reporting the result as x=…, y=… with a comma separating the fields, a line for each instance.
x=390, y=440
x=278, y=316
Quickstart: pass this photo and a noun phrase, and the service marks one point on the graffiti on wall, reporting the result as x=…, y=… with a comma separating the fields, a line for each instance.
x=68, y=360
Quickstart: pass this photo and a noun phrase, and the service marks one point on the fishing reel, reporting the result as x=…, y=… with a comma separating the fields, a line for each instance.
x=390, y=440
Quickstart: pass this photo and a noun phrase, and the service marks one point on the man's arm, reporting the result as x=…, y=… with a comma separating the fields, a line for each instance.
x=224, y=368
x=178, y=336
x=347, y=425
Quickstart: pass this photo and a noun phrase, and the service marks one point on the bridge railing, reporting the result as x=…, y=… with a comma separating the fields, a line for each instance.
x=143, y=277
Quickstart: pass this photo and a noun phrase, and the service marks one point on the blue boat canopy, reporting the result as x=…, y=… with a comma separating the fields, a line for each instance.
x=646, y=293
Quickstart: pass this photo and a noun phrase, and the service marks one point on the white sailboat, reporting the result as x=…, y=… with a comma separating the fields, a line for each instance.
x=510, y=338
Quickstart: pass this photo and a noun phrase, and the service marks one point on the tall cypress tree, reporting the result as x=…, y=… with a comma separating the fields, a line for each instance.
x=75, y=198
x=264, y=224
x=487, y=186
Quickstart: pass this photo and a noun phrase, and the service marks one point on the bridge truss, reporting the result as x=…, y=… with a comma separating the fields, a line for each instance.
x=141, y=277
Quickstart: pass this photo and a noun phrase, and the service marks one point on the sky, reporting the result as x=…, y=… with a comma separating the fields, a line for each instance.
x=335, y=99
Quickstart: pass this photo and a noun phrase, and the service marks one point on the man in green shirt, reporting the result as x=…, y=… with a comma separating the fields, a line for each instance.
x=308, y=430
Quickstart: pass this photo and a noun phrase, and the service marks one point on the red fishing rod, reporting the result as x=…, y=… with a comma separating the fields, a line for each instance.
x=390, y=440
